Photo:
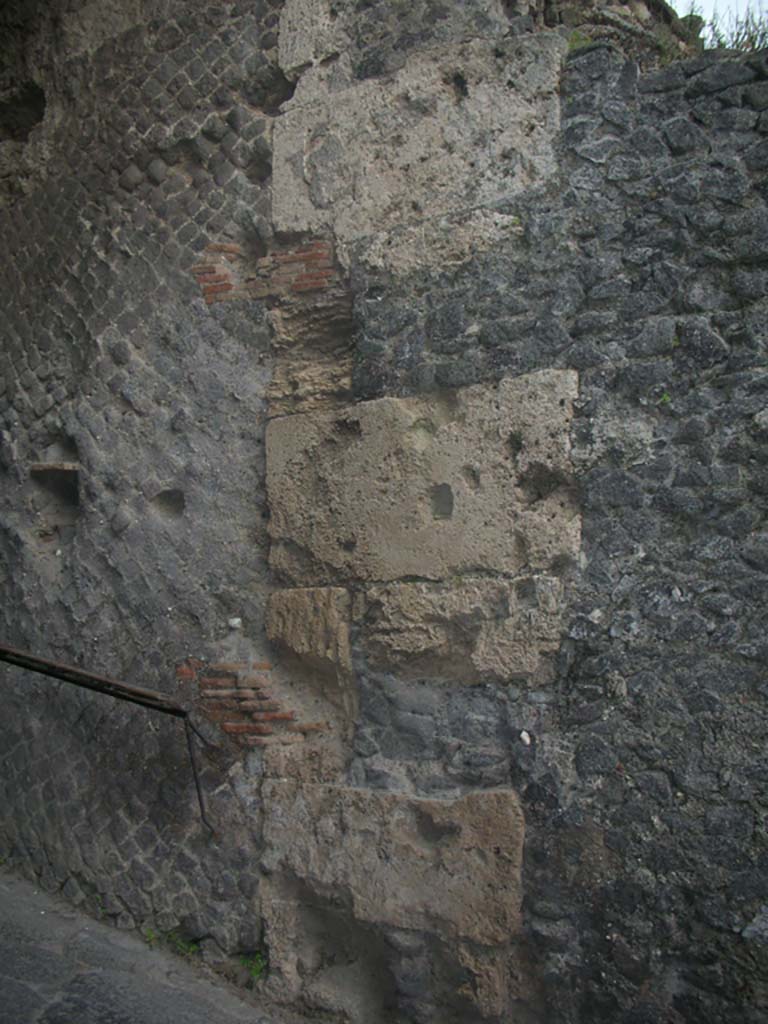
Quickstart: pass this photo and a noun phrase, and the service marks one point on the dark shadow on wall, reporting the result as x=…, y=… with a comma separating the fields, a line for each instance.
x=21, y=112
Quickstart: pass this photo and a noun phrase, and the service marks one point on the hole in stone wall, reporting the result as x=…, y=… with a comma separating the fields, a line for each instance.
x=268, y=89
x=539, y=481
x=472, y=476
x=348, y=427
x=170, y=503
x=515, y=444
x=58, y=495
x=441, y=496
x=459, y=83
x=525, y=592
x=21, y=112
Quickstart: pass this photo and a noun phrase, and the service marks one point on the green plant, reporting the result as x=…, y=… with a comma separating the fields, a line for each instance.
x=151, y=938
x=747, y=32
x=578, y=40
x=255, y=964
x=181, y=946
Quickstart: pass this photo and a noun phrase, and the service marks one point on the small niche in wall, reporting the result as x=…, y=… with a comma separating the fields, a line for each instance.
x=56, y=488
x=170, y=503
x=57, y=485
x=441, y=496
x=21, y=113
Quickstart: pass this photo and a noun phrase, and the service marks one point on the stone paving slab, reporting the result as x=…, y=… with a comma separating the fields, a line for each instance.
x=59, y=967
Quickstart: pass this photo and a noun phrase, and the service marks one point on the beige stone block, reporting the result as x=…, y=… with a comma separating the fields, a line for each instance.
x=311, y=626
x=449, y=867
x=470, y=481
x=462, y=126
x=472, y=630
x=312, y=623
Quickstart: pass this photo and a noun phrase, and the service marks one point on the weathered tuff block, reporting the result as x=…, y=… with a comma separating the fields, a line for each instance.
x=474, y=480
x=471, y=630
x=366, y=157
x=451, y=868
x=312, y=625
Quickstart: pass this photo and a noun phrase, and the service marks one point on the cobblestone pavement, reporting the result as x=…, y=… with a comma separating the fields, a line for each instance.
x=59, y=967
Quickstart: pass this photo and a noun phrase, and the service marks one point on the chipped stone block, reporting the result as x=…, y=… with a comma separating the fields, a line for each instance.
x=362, y=157
x=450, y=867
x=473, y=480
x=313, y=623
x=366, y=891
x=472, y=630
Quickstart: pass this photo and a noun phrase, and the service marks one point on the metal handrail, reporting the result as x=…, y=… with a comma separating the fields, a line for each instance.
x=120, y=691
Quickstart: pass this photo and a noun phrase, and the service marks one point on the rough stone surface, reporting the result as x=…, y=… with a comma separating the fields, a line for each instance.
x=441, y=136
x=473, y=480
x=157, y=316
x=58, y=965
x=473, y=630
x=450, y=868
x=313, y=625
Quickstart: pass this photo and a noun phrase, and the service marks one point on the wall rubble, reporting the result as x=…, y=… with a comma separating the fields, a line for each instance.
x=290, y=285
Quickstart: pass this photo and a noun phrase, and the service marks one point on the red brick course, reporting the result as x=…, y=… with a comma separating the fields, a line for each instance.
x=235, y=697
x=226, y=272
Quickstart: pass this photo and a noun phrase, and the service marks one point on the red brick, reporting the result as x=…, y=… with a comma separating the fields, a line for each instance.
x=318, y=260
x=273, y=716
x=185, y=672
x=212, y=278
x=285, y=274
x=213, y=289
x=246, y=728
x=308, y=286
x=229, y=666
x=288, y=257
x=308, y=727
x=223, y=247
x=259, y=705
x=217, y=680
x=321, y=278
x=256, y=741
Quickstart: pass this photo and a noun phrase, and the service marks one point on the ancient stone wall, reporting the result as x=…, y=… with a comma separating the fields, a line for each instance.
x=387, y=382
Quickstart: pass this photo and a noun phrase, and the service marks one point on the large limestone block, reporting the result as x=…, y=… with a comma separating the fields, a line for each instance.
x=450, y=867
x=472, y=630
x=472, y=481
x=461, y=126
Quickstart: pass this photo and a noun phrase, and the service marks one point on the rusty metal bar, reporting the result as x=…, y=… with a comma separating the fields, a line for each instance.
x=112, y=688
x=102, y=684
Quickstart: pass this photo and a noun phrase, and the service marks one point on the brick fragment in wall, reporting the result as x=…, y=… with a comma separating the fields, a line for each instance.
x=227, y=272
x=311, y=316
x=246, y=707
